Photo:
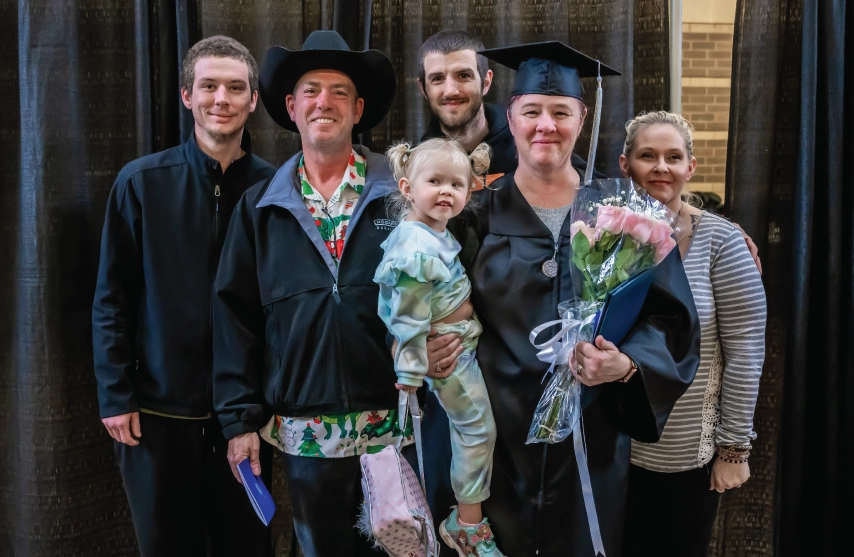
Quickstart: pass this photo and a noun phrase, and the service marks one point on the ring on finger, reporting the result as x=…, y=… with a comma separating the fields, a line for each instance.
x=719, y=490
x=438, y=368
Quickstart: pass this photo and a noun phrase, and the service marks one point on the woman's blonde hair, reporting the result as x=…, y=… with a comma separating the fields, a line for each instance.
x=644, y=119
x=407, y=161
x=683, y=126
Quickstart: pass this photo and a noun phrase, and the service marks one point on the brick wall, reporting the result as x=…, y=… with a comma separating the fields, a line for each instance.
x=706, y=72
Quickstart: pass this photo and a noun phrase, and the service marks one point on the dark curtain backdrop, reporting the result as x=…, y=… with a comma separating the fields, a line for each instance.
x=93, y=84
x=790, y=185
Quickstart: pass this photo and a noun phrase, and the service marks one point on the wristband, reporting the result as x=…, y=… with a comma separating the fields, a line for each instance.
x=631, y=372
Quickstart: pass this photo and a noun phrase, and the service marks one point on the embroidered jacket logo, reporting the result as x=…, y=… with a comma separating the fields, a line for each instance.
x=385, y=224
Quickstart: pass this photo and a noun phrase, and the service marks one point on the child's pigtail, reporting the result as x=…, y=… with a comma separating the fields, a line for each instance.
x=480, y=159
x=398, y=156
x=397, y=206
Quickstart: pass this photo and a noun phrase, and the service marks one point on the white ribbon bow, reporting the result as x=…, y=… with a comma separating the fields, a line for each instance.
x=553, y=351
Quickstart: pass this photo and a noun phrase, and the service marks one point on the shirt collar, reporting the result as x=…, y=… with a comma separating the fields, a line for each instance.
x=354, y=177
x=202, y=162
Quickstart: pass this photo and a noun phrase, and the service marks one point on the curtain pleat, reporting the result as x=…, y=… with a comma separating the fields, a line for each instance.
x=788, y=185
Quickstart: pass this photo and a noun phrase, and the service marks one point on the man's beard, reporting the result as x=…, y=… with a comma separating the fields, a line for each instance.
x=222, y=137
x=461, y=119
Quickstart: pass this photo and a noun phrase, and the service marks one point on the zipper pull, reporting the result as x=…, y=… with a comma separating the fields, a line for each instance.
x=216, y=194
x=335, y=293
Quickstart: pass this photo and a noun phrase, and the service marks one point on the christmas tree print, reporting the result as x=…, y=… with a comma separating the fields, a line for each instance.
x=310, y=446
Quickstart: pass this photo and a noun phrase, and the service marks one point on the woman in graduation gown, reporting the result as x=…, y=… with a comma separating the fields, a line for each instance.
x=536, y=505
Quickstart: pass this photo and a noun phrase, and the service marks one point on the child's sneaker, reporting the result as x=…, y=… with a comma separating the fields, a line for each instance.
x=469, y=541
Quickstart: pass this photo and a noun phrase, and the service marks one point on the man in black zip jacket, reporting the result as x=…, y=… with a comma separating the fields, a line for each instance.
x=299, y=350
x=166, y=220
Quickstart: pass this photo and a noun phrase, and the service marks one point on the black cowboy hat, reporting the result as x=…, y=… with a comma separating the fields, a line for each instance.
x=370, y=70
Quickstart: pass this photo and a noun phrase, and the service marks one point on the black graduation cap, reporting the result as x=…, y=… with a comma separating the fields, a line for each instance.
x=548, y=68
x=555, y=69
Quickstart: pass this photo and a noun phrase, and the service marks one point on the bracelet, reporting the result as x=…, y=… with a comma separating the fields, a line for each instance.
x=733, y=460
x=631, y=372
x=737, y=448
x=734, y=451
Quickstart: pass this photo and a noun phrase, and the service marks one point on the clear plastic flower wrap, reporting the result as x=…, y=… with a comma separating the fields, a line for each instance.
x=618, y=230
x=559, y=408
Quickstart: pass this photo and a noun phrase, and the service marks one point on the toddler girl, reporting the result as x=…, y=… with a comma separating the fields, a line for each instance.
x=423, y=286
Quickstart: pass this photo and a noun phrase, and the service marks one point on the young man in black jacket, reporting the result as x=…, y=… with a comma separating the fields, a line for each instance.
x=166, y=220
x=300, y=358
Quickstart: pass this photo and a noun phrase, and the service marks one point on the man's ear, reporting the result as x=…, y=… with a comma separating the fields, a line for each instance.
x=487, y=82
x=187, y=98
x=254, y=102
x=423, y=89
x=290, y=101
x=360, y=109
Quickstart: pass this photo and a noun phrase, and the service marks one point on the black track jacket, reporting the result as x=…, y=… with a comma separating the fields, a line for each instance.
x=151, y=319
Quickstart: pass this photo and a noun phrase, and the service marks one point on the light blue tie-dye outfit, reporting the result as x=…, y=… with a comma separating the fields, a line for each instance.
x=421, y=281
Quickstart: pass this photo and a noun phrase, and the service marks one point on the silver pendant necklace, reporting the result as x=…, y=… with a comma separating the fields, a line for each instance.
x=550, y=266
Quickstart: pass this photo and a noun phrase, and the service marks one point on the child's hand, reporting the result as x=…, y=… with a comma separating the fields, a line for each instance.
x=406, y=388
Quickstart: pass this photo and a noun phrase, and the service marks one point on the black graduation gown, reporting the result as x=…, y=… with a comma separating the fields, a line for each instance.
x=536, y=506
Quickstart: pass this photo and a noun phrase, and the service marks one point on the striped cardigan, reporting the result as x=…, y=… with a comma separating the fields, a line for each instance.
x=718, y=407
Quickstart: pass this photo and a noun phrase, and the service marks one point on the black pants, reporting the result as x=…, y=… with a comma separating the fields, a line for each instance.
x=180, y=489
x=669, y=514
x=326, y=496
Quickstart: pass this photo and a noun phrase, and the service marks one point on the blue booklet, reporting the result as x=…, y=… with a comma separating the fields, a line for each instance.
x=617, y=317
x=260, y=498
x=622, y=307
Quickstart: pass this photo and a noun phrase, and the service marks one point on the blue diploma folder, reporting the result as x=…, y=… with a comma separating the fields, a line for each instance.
x=261, y=499
x=617, y=317
x=622, y=307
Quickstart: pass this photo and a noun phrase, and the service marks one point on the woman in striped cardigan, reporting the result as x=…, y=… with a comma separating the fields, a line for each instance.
x=675, y=484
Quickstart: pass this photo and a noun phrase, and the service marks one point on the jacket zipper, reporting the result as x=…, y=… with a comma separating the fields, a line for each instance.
x=335, y=293
x=216, y=216
x=214, y=245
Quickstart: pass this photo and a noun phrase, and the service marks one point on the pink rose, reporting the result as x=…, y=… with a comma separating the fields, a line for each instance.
x=611, y=219
x=662, y=249
x=660, y=232
x=639, y=227
x=579, y=226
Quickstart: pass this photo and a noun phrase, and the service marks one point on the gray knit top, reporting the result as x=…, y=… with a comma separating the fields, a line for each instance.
x=718, y=407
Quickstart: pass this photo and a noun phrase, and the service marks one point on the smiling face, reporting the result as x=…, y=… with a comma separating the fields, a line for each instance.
x=221, y=99
x=453, y=87
x=659, y=162
x=545, y=129
x=325, y=106
x=438, y=192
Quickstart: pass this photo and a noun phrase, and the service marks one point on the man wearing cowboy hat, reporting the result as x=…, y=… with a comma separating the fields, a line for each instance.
x=300, y=358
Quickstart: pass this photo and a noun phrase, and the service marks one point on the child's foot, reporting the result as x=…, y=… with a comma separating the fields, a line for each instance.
x=469, y=541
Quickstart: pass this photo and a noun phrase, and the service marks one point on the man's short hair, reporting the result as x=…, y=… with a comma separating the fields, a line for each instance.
x=218, y=46
x=448, y=41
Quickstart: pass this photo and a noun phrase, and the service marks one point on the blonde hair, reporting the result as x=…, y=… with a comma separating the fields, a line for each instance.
x=645, y=119
x=407, y=161
x=683, y=126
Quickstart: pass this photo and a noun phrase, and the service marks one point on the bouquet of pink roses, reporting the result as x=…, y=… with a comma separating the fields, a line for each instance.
x=617, y=231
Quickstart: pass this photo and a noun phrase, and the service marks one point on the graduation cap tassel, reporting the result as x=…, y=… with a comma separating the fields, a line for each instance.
x=594, y=136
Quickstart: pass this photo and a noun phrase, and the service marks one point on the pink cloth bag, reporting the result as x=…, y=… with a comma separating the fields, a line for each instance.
x=395, y=513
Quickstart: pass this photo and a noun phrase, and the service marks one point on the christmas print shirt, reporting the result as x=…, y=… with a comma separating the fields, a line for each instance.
x=333, y=216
